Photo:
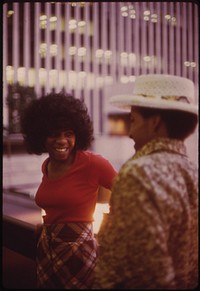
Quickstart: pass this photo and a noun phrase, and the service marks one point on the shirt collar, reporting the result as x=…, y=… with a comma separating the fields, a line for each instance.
x=162, y=144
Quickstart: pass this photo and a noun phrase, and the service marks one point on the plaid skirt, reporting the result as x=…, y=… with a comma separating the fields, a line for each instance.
x=66, y=256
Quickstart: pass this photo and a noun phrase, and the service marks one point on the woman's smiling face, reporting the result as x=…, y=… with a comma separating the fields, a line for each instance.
x=60, y=145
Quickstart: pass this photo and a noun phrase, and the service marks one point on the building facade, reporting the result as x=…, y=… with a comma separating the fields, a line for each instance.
x=93, y=49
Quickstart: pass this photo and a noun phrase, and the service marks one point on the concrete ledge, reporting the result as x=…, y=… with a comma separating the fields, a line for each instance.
x=20, y=236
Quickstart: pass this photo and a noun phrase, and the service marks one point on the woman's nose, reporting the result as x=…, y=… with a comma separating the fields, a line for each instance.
x=61, y=137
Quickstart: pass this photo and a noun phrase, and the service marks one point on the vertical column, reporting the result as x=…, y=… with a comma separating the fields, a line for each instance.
x=129, y=40
x=165, y=59
x=190, y=34
x=67, y=57
x=143, y=36
x=136, y=38
x=58, y=44
x=37, y=60
x=96, y=105
x=86, y=41
x=104, y=42
x=48, y=44
x=184, y=43
x=26, y=57
x=178, y=40
x=171, y=45
x=196, y=49
x=104, y=72
x=113, y=33
x=121, y=40
x=15, y=48
x=5, y=63
x=158, y=53
x=151, y=40
x=77, y=57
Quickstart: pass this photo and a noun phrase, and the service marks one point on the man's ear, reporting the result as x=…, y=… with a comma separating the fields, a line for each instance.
x=156, y=122
x=158, y=126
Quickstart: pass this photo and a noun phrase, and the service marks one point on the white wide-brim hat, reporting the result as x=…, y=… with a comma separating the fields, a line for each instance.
x=159, y=91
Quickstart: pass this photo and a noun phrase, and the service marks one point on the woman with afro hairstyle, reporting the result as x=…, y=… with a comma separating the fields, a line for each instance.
x=59, y=124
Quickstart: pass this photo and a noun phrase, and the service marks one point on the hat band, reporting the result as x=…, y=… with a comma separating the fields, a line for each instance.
x=170, y=97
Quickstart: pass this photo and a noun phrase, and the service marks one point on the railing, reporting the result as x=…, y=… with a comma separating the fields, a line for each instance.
x=20, y=236
x=19, y=251
x=13, y=143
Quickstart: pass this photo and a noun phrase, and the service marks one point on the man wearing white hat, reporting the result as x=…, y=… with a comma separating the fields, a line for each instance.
x=149, y=240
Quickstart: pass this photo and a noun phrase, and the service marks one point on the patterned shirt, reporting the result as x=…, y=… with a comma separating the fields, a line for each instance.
x=149, y=240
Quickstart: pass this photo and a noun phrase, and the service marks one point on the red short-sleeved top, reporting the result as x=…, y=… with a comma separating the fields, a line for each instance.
x=72, y=197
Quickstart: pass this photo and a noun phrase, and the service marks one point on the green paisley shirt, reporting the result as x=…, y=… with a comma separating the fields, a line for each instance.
x=149, y=239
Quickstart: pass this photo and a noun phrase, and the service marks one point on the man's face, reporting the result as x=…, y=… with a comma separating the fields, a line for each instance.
x=141, y=130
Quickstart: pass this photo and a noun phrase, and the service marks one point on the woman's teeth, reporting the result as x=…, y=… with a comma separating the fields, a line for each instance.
x=61, y=149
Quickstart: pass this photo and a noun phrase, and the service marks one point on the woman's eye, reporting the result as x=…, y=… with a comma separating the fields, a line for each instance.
x=57, y=134
x=52, y=134
x=69, y=133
